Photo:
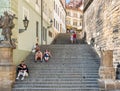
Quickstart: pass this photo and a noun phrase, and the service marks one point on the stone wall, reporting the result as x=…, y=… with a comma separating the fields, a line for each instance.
x=102, y=22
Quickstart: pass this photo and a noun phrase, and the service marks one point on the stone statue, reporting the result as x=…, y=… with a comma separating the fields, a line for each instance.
x=6, y=23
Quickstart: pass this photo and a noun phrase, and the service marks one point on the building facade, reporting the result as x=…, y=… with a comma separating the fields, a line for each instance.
x=74, y=18
x=59, y=17
x=47, y=34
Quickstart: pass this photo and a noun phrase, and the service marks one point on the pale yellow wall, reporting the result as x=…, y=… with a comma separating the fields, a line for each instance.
x=19, y=56
x=27, y=39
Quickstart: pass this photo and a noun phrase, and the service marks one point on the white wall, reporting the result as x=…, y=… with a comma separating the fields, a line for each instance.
x=60, y=16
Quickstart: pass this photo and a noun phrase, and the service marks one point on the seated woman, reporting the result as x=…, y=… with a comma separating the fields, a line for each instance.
x=23, y=72
x=38, y=56
x=47, y=55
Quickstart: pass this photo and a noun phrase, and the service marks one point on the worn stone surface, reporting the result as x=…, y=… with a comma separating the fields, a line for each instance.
x=107, y=58
x=107, y=73
x=106, y=70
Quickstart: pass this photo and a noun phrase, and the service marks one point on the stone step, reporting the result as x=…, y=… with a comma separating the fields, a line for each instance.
x=72, y=75
x=56, y=75
x=63, y=76
x=70, y=61
x=56, y=89
x=39, y=65
x=50, y=62
x=57, y=82
x=59, y=79
x=68, y=74
x=80, y=46
x=53, y=85
x=63, y=71
x=49, y=69
x=73, y=55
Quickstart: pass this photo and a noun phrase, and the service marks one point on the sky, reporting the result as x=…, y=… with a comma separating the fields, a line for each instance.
x=67, y=1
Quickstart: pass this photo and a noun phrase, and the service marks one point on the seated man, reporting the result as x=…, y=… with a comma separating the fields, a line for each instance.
x=47, y=55
x=20, y=66
x=38, y=55
x=36, y=48
x=22, y=72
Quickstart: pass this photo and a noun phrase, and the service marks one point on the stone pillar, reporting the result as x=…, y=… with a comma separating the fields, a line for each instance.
x=106, y=71
x=7, y=68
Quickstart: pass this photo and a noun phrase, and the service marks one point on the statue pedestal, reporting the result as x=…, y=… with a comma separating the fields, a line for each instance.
x=107, y=71
x=107, y=78
x=7, y=68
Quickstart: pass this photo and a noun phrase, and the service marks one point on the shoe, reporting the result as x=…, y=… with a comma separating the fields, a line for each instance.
x=17, y=78
x=35, y=61
x=22, y=78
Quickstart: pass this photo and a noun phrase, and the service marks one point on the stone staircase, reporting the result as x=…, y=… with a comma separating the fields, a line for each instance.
x=64, y=38
x=71, y=68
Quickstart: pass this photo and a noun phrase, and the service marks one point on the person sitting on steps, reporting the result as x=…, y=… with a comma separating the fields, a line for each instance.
x=23, y=72
x=20, y=66
x=47, y=55
x=38, y=56
x=36, y=48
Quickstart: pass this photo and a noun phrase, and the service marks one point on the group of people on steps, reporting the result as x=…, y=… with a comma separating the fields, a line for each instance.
x=39, y=56
x=22, y=69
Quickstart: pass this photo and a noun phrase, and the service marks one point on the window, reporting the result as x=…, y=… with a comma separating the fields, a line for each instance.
x=44, y=33
x=74, y=14
x=54, y=5
x=37, y=2
x=68, y=13
x=58, y=11
x=54, y=22
x=56, y=8
x=67, y=21
x=80, y=16
x=50, y=33
x=75, y=23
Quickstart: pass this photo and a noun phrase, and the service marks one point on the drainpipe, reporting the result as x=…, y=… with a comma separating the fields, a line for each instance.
x=41, y=22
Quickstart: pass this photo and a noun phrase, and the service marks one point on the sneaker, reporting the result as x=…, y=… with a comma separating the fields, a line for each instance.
x=22, y=78
x=17, y=78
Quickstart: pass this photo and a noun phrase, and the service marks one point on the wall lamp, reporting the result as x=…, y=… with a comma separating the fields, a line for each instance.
x=25, y=23
x=50, y=24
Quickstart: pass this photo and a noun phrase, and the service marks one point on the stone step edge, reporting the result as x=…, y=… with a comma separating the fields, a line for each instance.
x=82, y=74
x=56, y=81
x=61, y=88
